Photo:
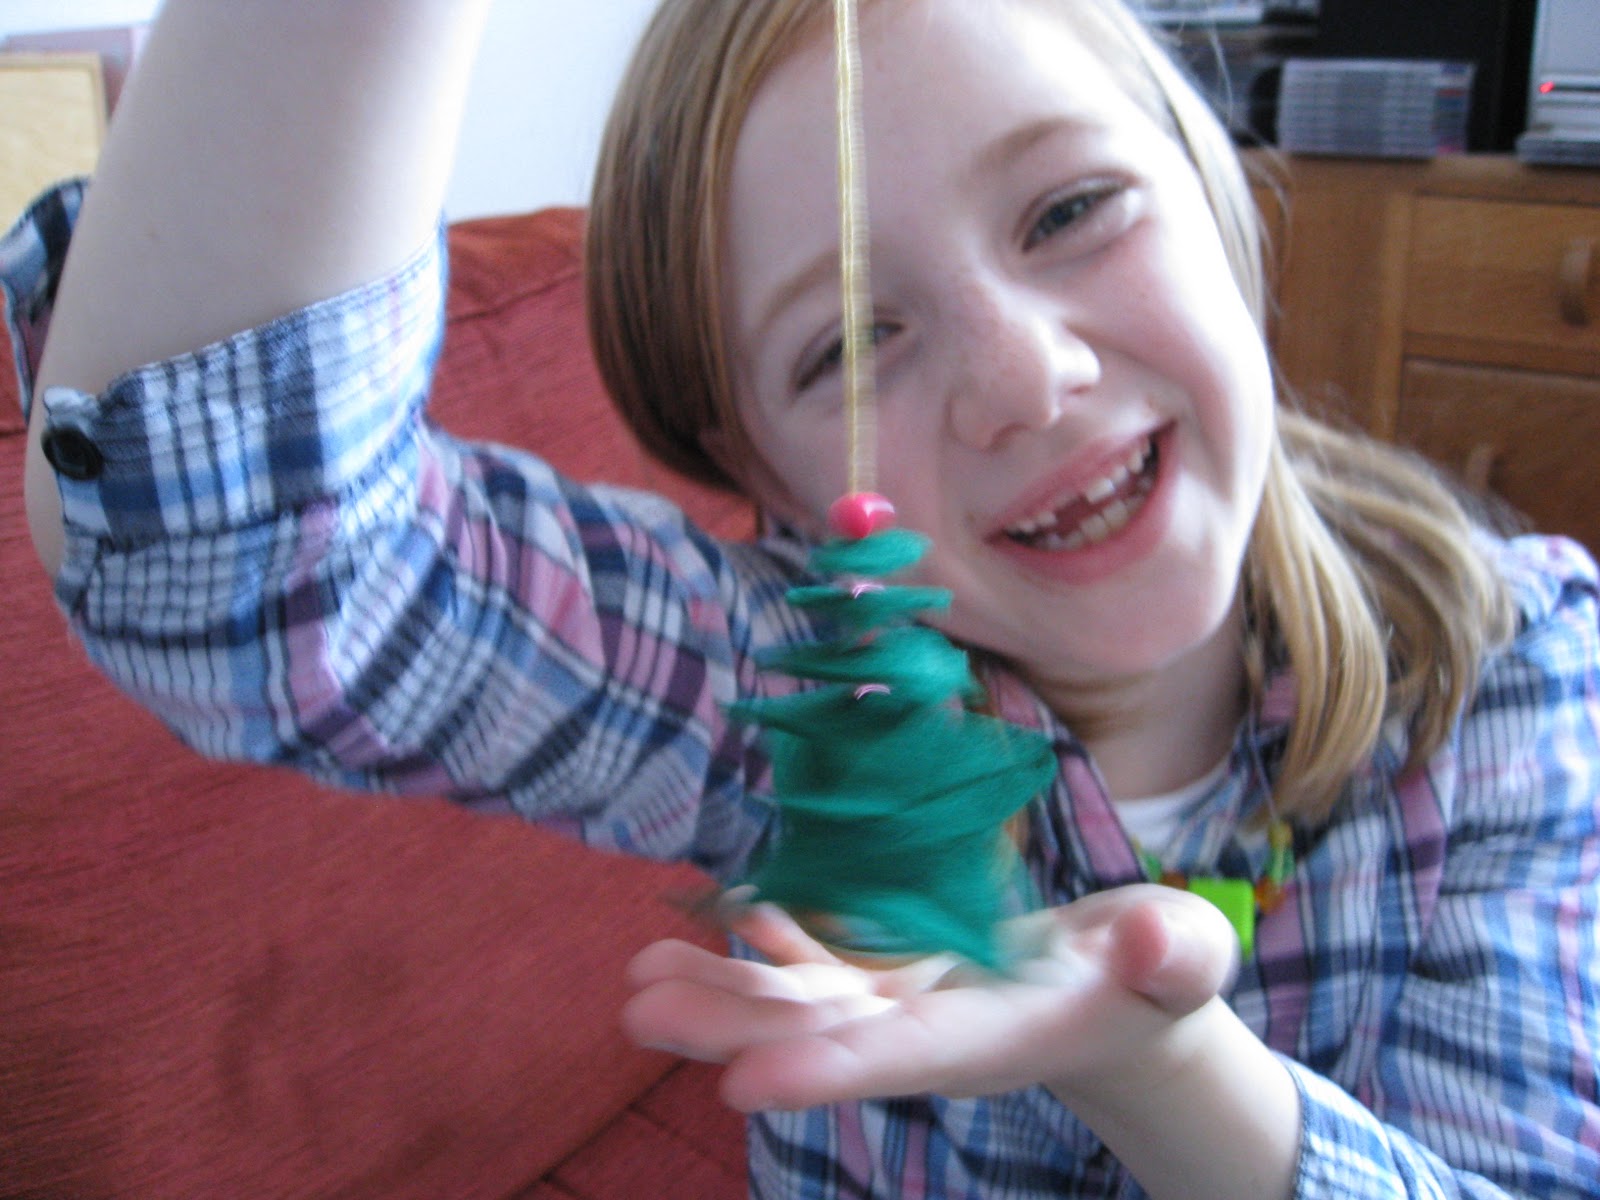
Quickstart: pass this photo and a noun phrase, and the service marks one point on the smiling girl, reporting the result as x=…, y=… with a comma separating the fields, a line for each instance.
x=1244, y=633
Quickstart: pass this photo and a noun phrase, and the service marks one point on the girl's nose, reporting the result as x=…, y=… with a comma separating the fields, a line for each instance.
x=1017, y=360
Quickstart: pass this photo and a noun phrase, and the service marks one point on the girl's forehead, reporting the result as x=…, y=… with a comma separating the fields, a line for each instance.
x=961, y=49
x=941, y=79
x=955, y=93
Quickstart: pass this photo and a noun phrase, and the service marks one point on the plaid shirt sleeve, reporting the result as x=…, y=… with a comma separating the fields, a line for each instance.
x=280, y=557
x=1482, y=1080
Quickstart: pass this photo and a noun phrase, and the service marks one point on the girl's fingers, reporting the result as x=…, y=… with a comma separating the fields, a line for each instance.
x=1169, y=946
x=770, y=930
x=696, y=1019
x=672, y=959
x=1174, y=949
x=959, y=1041
x=1101, y=980
x=802, y=1073
x=781, y=939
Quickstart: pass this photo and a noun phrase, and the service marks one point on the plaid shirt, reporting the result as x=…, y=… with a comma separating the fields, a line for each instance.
x=283, y=559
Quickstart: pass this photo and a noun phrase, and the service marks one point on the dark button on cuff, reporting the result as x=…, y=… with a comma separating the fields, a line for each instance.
x=71, y=453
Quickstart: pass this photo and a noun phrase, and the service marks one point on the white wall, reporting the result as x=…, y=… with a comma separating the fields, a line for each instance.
x=538, y=102
x=27, y=16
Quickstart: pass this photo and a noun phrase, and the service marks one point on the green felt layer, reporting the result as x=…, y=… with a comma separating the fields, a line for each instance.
x=893, y=797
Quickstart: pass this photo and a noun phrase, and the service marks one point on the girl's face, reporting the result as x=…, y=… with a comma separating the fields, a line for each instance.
x=1073, y=399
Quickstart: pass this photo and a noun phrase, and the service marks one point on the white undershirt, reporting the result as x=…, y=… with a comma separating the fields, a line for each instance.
x=1152, y=821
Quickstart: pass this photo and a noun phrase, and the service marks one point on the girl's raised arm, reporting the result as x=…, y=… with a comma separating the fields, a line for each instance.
x=268, y=153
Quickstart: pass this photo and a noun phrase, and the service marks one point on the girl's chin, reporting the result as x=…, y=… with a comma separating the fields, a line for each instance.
x=1087, y=641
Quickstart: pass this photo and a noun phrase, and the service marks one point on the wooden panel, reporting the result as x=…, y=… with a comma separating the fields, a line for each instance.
x=1556, y=359
x=1529, y=436
x=1454, y=306
x=1523, y=274
x=52, y=123
x=1328, y=332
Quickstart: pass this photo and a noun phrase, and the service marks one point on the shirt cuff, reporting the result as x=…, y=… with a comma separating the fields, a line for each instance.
x=1347, y=1151
x=248, y=428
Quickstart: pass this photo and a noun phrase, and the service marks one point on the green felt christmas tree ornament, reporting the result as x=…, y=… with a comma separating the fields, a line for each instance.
x=892, y=794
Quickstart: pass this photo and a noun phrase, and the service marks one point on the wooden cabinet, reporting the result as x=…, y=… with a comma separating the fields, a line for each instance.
x=52, y=121
x=1518, y=434
x=1453, y=306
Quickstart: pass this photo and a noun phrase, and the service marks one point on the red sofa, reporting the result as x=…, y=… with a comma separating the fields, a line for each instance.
x=221, y=981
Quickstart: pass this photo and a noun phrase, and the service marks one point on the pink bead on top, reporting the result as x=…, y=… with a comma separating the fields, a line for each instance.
x=860, y=514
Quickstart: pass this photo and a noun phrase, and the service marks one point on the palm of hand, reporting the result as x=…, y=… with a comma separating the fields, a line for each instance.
x=1110, y=983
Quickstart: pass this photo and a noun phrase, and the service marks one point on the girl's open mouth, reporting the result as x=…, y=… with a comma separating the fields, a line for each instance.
x=1098, y=511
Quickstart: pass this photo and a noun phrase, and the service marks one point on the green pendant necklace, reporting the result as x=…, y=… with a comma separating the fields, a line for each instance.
x=1240, y=900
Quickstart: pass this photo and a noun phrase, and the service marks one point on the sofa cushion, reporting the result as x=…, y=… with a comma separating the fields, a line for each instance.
x=517, y=367
x=226, y=981
x=677, y=1141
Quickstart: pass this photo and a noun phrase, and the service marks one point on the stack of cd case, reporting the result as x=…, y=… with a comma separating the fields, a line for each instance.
x=1374, y=107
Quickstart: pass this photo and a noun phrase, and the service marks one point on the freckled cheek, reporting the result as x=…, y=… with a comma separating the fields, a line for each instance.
x=1261, y=419
x=1243, y=419
x=808, y=454
x=910, y=471
x=1203, y=336
x=808, y=449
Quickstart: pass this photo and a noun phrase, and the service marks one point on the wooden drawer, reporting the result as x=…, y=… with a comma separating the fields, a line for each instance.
x=1530, y=437
x=1523, y=276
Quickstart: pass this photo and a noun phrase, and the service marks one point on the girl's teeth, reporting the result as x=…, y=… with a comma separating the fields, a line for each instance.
x=1105, y=488
x=1097, y=492
x=1043, y=529
x=1115, y=515
x=1072, y=541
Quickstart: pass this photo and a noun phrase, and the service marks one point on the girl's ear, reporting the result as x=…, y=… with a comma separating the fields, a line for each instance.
x=744, y=464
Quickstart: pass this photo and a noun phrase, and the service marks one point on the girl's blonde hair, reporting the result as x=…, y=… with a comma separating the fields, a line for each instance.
x=1362, y=571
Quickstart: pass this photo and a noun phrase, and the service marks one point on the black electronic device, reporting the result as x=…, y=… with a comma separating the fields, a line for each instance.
x=1495, y=36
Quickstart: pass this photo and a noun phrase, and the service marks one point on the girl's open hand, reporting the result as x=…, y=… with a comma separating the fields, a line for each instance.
x=1108, y=985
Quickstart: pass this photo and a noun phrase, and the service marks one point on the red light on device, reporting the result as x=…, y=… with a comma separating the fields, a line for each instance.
x=1546, y=87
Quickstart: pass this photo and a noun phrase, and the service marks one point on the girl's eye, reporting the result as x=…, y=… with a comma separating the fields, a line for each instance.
x=1064, y=212
x=830, y=358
